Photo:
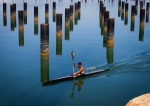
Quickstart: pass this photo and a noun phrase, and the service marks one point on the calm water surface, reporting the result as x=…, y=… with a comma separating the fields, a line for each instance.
x=23, y=69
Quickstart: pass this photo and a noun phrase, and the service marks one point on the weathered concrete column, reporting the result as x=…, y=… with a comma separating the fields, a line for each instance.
x=35, y=20
x=147, y=12
x=58, y=34
x=4, y=14
x=141, y=4
x=47, y=13
x=21, y=27
x=102, y=20
x=122, y=11
x=126, y=14
x=25, y=13
x=110, y=39
x=67, y=23
x=136, y=7
x=71, y=17
x=79, y=12
x=54, y=11
x=141, y=31
x=76, y=14
x=12, y=17
x=106, y=16
x=132, y=18
x=44, y=39
x=119, y=8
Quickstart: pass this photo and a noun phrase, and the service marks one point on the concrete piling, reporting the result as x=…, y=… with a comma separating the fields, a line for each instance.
x=14, y=14
x=47, y=13
x=79, y=12
x=58, y=34
x=110, y=39
x=76, y=14
x=12, y=17
x=147, y=12
x=35, y=20
x=102, y=20
x=119, y=8
x=21, y=27
x=25, y=13
x=142, y=18
x=122, y=11
x=71, y=17
x=54, y=11
x=126, y=14
x=141, y=4
x=44, y=47
x=67, y=23
x=132, y=18
x=4, y=14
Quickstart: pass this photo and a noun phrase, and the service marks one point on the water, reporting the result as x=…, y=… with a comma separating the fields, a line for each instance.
x=23, y=69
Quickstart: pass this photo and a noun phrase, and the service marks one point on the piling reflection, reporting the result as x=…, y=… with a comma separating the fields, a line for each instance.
x=102, y=20
x=76, y=14
x=44, y=52
x=126, y=14
x=122, y=11
x=4, y=14
x=25, y=13
x=13, y=16
x=71, y=17
x=100, y=13
x=79, y=84
x=119, y=8
x=21, y=27
x=136, y=7
x=58, y=34
x=67, y=23
x=35, y=20
x=110, y=40
x=147, y=12
x=79, y=11
x=106, y=16
x=54, y=12
x=142, y=18
x=132, y=18
x=47, y=13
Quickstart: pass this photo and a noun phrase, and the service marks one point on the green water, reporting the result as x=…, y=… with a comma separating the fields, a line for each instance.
x=23, y=69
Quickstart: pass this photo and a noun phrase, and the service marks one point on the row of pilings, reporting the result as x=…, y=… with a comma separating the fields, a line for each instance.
x=134, y=11
x=107, y=25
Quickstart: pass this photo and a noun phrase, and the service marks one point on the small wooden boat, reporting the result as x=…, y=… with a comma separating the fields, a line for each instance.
x=72, y=77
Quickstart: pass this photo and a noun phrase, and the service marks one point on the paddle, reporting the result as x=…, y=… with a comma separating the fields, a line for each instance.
x=72, y=55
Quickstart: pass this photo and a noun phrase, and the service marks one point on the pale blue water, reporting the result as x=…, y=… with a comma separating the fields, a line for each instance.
x=20, y=66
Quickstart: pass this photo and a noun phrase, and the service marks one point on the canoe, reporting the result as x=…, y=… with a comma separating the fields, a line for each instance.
x=66, y=78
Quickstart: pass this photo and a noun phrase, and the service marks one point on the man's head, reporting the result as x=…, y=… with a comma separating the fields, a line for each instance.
x=79, y=64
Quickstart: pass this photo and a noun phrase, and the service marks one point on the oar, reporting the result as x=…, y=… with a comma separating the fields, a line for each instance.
x=72, y=54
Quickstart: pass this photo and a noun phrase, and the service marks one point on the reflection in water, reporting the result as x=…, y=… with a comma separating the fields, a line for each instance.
x=126, y=14
x=76, y=14
x=119, y=8
x=13, y=16
x=44, y=52
x=110, y=40
x=35, y=20
x=25, y=13
x=54, y=11
x=47, y=13
x=102, y=20
x=147, y=12
x=21, y=27
x=71, y=17
x=132, y=18
x=58, y=34
x=67, y=23
x=122, y=11
x=4, y=14
x=141, y=31
x=136, y=7
x=79, y=85
x=79, y=12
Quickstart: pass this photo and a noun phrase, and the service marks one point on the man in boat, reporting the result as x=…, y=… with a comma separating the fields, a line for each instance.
x=80, y=71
